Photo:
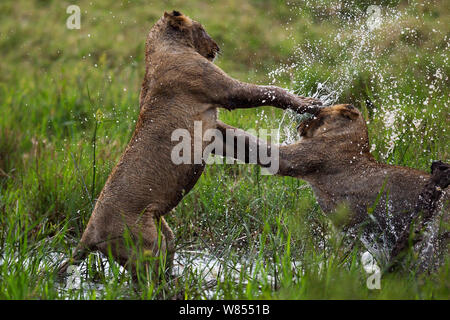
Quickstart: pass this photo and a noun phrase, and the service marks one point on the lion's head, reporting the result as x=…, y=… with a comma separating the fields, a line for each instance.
x=177, y=28
x=341, y=122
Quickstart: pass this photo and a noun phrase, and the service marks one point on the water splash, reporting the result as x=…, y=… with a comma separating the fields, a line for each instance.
x=354, y=57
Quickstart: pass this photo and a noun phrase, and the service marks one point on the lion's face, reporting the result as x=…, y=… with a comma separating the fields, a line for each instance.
x=204, y=44
x=332, y=121
x=193, y=31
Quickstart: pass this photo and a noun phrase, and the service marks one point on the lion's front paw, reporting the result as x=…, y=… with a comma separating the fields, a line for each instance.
x=310, y=101
x=309, y=105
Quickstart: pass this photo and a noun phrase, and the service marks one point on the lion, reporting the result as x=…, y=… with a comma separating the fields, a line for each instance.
x=333, y=156
x=181, y=85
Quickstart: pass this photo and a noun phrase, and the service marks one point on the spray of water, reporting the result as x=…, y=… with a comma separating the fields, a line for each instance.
x=355, y=56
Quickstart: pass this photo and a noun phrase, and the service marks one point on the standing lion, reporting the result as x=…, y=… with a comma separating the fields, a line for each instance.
x=181, y=85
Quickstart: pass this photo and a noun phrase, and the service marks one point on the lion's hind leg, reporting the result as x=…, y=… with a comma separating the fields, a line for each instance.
x=170, y=244
x=141, y=245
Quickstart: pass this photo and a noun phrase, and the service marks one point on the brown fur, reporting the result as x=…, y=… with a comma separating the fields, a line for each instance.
x=181, y=85
x=333, y=156
x=424, y=218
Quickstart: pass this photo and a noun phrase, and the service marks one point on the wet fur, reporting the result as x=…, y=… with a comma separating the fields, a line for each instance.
x=181, y=85
x=333, y=155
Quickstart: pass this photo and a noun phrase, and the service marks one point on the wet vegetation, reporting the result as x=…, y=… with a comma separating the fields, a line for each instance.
x=68, y=97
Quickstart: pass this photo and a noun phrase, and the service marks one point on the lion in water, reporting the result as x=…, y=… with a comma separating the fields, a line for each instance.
x=181, y=85
x=333, y=156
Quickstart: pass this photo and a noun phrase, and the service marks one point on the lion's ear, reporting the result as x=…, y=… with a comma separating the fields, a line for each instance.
x=350, y=112
x=174, y=13
x=177, y=20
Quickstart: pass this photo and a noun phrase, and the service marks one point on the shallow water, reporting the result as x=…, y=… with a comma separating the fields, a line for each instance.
x=204, y=266
x=363, y=39
x=207, y=269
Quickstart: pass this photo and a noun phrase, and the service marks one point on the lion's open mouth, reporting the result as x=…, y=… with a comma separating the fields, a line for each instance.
x=213, y=54
x=304, y=119
x=309, y=122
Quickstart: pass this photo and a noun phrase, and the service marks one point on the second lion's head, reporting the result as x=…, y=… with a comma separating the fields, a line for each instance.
x=342, y=122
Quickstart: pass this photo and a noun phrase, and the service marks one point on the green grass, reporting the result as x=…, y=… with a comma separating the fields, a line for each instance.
x=267, y=233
